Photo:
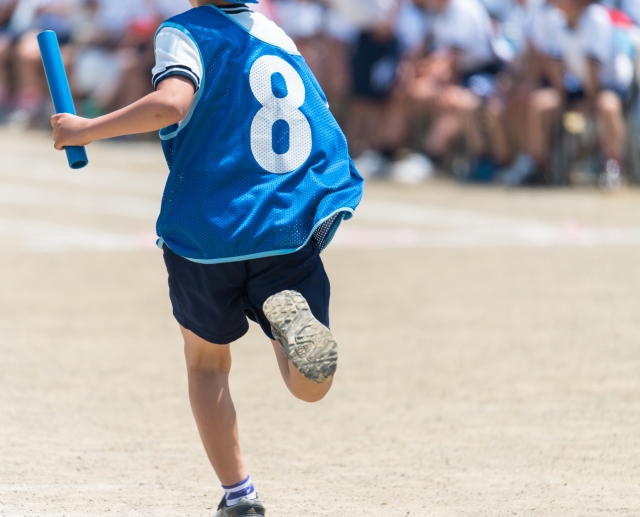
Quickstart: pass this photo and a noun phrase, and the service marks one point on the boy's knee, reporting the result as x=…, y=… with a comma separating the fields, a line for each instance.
x=202, y=355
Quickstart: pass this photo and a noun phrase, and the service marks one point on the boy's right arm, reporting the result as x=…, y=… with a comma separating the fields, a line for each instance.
x=166, y=106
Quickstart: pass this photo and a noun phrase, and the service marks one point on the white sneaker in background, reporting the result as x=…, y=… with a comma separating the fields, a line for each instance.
x=20, y=120
x=412, y=169
x=611, y=178
x=518, y=172
x=371, y=164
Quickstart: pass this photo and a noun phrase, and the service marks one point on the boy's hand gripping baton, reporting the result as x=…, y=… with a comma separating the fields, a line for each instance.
x=60, y=90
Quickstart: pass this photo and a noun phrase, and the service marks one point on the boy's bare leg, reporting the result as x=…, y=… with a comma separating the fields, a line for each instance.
x=208, y=369
x=299, y=386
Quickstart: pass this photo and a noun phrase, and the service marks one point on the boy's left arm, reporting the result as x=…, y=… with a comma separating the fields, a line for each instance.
x=168, y=105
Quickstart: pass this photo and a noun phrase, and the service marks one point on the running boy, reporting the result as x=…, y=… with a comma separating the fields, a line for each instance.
x=260, y=178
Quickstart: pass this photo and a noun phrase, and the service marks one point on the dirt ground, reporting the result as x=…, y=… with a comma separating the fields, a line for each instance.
x=490, y=355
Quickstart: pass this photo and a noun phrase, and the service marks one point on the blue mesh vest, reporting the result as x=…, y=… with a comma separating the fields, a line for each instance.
x=259, y=166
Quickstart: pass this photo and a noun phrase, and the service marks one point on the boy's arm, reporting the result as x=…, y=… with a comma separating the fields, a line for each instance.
x=168, y=105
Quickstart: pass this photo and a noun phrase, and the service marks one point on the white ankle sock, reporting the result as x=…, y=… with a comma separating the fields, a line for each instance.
x=244, y=489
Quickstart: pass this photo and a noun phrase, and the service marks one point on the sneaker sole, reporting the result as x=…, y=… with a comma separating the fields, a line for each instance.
x=311, y=347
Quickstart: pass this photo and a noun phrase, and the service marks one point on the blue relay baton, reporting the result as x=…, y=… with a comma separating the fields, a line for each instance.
x=60, y=90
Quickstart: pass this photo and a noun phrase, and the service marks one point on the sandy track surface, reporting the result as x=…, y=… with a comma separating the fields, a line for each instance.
x=490, y=355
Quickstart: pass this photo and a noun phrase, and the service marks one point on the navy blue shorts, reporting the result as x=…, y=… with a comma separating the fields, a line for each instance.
x=214, y=300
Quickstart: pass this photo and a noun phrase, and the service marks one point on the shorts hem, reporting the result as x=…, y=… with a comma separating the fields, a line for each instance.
x=214, y=339
x=263, y=327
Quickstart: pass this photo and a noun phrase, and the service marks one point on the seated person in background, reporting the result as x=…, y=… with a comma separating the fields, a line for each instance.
x=458, y=78
x=591, y=74
x=113, y=42
x=532, y=29
x=7, y=8
x=382, y=109
x=499, y=10
x=338, y=36
x=29, y=18
x=374, y=67
x=303, y=21
x=105, y=69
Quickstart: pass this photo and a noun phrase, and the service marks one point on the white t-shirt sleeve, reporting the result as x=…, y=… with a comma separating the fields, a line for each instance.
x=176, y=55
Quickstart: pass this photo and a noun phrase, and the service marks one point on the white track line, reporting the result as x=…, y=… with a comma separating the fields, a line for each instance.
x=391, y=225
x=40, y=236
x=43, y=171
x=63, y=200
x=432, y=227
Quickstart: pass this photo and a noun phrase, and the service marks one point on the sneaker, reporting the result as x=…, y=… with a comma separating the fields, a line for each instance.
x=245, y=508
x=611, y=178
x=311, y=347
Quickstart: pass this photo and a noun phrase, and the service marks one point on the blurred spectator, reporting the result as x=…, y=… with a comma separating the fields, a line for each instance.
x=488, y=78
x=374, y=65
x=590, y=74
x=106, y=45
x=458, y=82
x=533, y=29
x=7, y=8
x=29, y=18
x=113, y=43
x=498, y=9
x=335, y=79
x=303, y=21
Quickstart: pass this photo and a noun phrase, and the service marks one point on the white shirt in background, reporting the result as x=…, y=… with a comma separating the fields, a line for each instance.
x=365, y=13
x=499, y=9
x=465, y=25
x=299, y=19
x=116, y=15
x=592, y=39
x=411, y=27
x=26, y=11
x=543, y=27
x=516, y=24
x=338, y=27
x=168, y=8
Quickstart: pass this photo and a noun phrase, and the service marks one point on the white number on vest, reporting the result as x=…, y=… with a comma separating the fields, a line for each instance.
x=274, y=109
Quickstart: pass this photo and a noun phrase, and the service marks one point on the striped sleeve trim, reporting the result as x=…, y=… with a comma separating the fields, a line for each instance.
x=174, y=70
x=232, y=9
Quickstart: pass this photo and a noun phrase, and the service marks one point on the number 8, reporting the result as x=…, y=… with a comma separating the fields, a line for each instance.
x=274, y=109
